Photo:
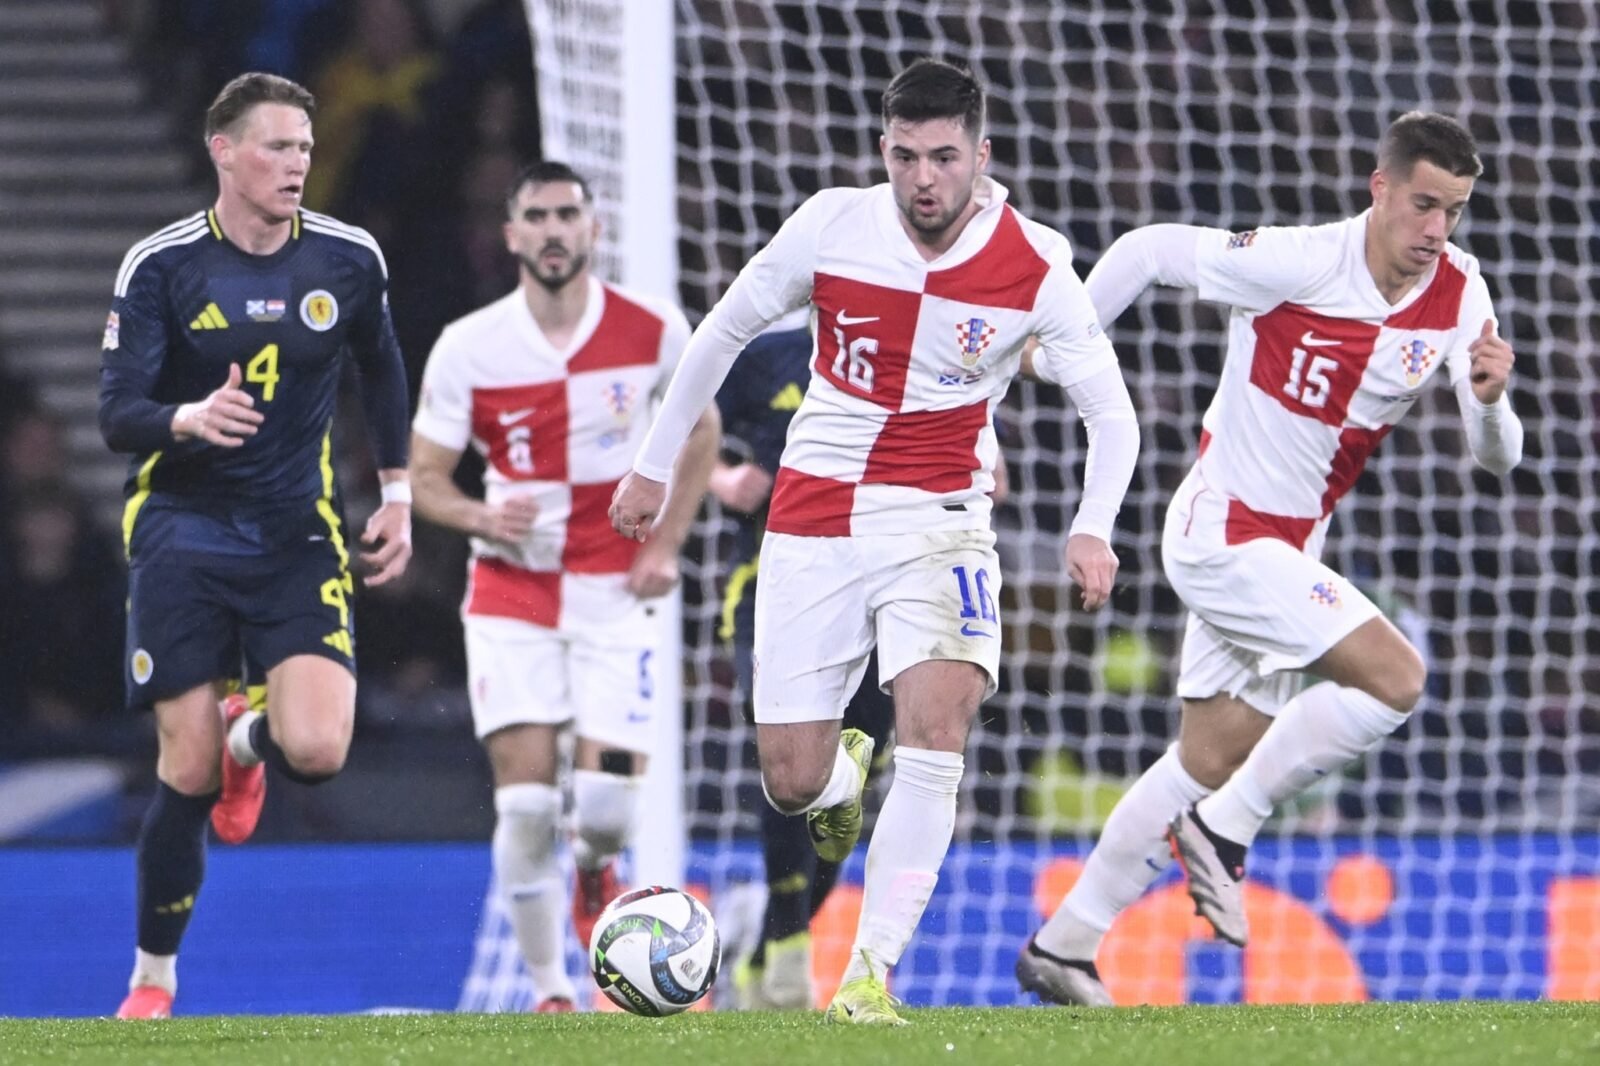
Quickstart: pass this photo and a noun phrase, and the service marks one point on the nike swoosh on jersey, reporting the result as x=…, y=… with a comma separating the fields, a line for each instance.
x=844, y=319
x=968, y=631
x=508, y=417
x=1311, y=340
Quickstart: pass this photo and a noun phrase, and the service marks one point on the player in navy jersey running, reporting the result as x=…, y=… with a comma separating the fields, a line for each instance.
x=220, y=368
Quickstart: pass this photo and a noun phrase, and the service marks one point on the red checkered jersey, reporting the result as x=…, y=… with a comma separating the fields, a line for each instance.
x=896, y=433
x=561, y=426
x=1319, y=367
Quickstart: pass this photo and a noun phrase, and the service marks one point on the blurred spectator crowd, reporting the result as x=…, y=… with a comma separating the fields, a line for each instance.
x=418, y=133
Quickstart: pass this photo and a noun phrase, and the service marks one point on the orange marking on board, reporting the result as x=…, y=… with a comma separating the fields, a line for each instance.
x=1574, y=909
x=1360, y=890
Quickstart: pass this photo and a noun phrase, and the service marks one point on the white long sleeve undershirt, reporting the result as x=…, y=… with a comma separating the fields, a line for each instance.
x=731, y=325
x=1107, y=411
x=1494, y=432
x=1162, y=254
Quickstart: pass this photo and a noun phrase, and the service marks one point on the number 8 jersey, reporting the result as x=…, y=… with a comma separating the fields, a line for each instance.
x=1319, y=366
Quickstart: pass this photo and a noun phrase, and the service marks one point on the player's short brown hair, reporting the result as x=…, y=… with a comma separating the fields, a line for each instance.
x=1425, y=136
x=241, y=94
x=933, y=89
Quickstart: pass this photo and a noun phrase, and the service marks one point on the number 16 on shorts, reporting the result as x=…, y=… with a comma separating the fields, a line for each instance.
x=978, y=617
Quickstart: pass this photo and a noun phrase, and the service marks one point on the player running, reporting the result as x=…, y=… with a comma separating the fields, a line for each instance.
x=1334, y=332
x=925, y=290
x=220, y=368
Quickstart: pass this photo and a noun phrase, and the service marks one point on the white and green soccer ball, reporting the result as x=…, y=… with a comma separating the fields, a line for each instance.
x=655, y=951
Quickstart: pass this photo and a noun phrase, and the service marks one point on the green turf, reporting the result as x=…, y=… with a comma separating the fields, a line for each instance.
x=1501, y=1034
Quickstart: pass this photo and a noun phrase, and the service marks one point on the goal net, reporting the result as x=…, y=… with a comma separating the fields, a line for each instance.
x=1459, y=860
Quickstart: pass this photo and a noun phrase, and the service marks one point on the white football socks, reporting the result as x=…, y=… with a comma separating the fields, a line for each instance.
x=604, y=807
x=908, y=847
x=239, y=746
x=1131, y=853
x=1315, y=734
x=525, y=862
x=158, y=970
x=844, y=784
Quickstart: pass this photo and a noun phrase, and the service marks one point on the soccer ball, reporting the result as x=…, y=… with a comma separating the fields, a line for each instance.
x=655, y=951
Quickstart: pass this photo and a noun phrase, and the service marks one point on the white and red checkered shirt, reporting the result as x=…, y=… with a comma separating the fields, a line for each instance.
x=896, y=434
x=1320, y=366
x=559, y=426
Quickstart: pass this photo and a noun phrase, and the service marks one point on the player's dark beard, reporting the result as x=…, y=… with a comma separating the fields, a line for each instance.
x=932, y=227
x=554, y=283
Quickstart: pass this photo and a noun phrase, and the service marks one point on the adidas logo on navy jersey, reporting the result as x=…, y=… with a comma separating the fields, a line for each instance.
x=210, y=318
x=788, y=399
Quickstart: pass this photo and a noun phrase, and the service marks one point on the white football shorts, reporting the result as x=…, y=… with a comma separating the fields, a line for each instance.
x=823, y=602
x=519, y=673
x=1259, y=612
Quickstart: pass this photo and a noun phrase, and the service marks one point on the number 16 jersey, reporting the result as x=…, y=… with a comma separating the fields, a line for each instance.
x=895, y=434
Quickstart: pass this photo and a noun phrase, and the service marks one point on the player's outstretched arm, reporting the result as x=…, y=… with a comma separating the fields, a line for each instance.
x=1161, y=254
x=655, y=569
x=777, y=280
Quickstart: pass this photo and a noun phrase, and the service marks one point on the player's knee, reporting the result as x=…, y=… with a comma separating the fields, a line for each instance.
x=524, y=845
x=1405, y=684
x=793, y=777
x=189, y=764
x=192, y=778
x=942, y=735
x=315, y=759
x=1404, y=681
x=1211, y=760
x=789, y=793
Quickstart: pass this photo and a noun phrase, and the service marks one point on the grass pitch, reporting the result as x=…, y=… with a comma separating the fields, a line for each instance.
x=1458, y=1034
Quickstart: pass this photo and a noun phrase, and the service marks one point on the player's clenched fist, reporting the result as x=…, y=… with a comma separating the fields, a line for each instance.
x=226, y=417
x=1092, y=565
x=635, y=505
x=654, y=571
x=1492, y=360
x=743, y=487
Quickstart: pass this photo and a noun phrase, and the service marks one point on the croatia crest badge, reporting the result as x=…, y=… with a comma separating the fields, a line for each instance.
x=973, y=337
x=1325, y=593
x=1415, y=358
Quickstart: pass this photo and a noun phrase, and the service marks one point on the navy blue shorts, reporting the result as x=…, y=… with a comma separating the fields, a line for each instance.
x=195, y=618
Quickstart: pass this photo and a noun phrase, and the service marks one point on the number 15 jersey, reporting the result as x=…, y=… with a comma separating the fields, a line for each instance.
x=1319, y=366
